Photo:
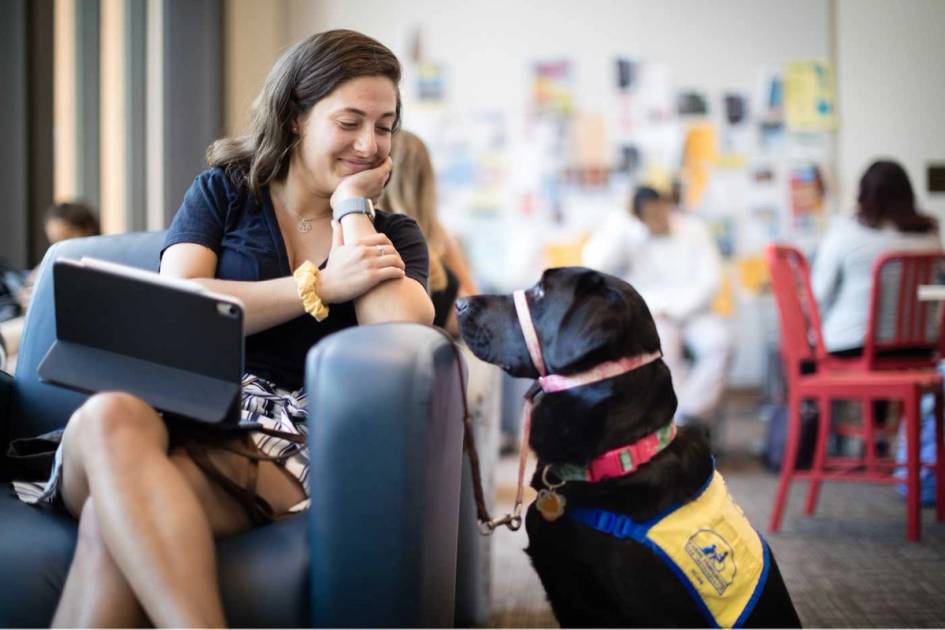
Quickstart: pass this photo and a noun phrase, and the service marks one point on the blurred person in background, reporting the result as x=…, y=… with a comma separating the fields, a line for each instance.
x=671, y=259
x=886, y=219
x=412, y=191
x=70, y=220
x=63, y=221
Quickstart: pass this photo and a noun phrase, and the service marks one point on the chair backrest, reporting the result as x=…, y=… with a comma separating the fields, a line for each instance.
x=801, y=339
x=36, y=406
x=902, y=331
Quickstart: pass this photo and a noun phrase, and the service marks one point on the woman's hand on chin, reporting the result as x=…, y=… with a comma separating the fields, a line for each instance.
x=353, y=269
x=368, y=183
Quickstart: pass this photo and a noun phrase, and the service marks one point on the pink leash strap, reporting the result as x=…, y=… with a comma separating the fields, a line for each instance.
x=528, y=330
x=600, y=372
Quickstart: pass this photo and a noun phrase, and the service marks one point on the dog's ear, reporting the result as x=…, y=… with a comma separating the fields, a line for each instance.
x=587, y=317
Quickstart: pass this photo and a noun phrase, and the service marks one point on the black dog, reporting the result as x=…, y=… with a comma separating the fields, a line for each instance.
x=582, y=319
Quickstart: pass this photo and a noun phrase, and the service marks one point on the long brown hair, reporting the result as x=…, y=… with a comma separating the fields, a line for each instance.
x=412, y=191
x=306, y=73
x=886, y=195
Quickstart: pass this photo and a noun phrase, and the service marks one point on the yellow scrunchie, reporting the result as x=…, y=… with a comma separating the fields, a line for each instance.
x=305, y=277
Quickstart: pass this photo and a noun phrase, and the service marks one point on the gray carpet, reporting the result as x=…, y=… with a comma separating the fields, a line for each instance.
x=849, y=565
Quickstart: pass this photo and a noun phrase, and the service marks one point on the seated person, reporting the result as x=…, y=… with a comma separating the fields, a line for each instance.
x=70, y=220
x=283, y=221
x=412, y=191
x=886, y=220
x=63, y=221
x=671, y=260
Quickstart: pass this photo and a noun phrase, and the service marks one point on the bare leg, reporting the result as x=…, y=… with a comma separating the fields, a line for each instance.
x=148, y=516
x=154, y=514
x=96, y=593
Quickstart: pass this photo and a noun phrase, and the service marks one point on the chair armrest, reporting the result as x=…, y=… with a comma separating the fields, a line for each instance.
x=6, y=395
x=385, y=433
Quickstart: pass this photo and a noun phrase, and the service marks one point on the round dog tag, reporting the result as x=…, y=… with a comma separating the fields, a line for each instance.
x=550, y=504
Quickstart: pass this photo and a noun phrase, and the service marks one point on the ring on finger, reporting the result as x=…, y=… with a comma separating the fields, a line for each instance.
x=380, y=250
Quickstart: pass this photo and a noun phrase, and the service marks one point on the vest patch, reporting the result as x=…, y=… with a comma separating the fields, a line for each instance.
x=714, y=557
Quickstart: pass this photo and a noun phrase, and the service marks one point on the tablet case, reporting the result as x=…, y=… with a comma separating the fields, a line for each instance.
x=169, y=342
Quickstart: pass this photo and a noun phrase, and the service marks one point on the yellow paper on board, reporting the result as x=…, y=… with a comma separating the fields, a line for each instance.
x=809, y=99
x=753, y=273
x=565, y=253
x=700, y=153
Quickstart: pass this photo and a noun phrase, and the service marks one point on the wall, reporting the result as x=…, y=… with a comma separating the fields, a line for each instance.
x=891, y=90
x=489, y=45
x=255, y=33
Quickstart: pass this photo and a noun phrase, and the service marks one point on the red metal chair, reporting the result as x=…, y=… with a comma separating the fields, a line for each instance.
x=897, y=322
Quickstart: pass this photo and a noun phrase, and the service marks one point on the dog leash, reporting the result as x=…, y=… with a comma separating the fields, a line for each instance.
x=486, y=523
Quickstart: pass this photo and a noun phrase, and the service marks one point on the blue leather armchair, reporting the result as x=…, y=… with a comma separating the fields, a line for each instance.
x=378, y=547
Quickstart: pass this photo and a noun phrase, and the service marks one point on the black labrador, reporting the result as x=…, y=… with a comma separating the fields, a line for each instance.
x=583, y=318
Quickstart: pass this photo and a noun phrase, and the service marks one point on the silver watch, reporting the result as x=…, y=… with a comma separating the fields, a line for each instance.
x=361, y=205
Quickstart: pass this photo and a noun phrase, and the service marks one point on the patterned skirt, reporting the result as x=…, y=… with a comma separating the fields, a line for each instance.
x=274, y=419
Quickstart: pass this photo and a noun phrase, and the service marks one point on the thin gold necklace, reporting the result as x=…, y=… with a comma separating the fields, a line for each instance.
x=303, y=224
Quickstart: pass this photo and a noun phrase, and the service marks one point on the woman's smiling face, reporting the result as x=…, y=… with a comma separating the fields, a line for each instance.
x=346, y=132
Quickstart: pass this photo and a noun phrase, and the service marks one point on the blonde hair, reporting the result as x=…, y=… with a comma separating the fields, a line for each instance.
x=412, y=191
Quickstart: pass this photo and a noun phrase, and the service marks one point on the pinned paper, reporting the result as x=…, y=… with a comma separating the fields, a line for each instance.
x=565, y=253
x=430, y=83
x=552, y=90
x=807, y=193
x=700, y=153
x=809, y=95
x=753, y=273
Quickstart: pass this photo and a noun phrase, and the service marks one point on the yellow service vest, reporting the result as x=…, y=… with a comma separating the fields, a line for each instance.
x=709, y=544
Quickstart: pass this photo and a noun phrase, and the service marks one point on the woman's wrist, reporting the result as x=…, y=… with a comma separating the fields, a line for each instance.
x=324, y=286
x=355, y=226
x=306, y=279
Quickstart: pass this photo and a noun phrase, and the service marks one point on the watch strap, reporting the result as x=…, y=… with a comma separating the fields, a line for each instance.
x=360, y=205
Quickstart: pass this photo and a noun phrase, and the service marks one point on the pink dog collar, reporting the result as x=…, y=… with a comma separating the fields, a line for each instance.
x=621, y=461
x=528, y=330
x=600, y=372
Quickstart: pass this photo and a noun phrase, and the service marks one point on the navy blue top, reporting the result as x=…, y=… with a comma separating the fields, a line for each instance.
x=242, y=230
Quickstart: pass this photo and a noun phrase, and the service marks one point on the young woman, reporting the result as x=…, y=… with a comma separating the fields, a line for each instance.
x=283, y=221
x=886, y=220
x=412, y=191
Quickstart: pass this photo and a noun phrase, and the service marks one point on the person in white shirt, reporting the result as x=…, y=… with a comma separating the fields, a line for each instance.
x=671, y=259
x=842, y=275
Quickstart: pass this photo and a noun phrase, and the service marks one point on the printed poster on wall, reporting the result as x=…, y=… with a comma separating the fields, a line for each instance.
x=809, y=101
x=552, y=88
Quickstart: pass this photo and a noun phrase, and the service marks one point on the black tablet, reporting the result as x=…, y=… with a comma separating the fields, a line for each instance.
x=167, y=341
